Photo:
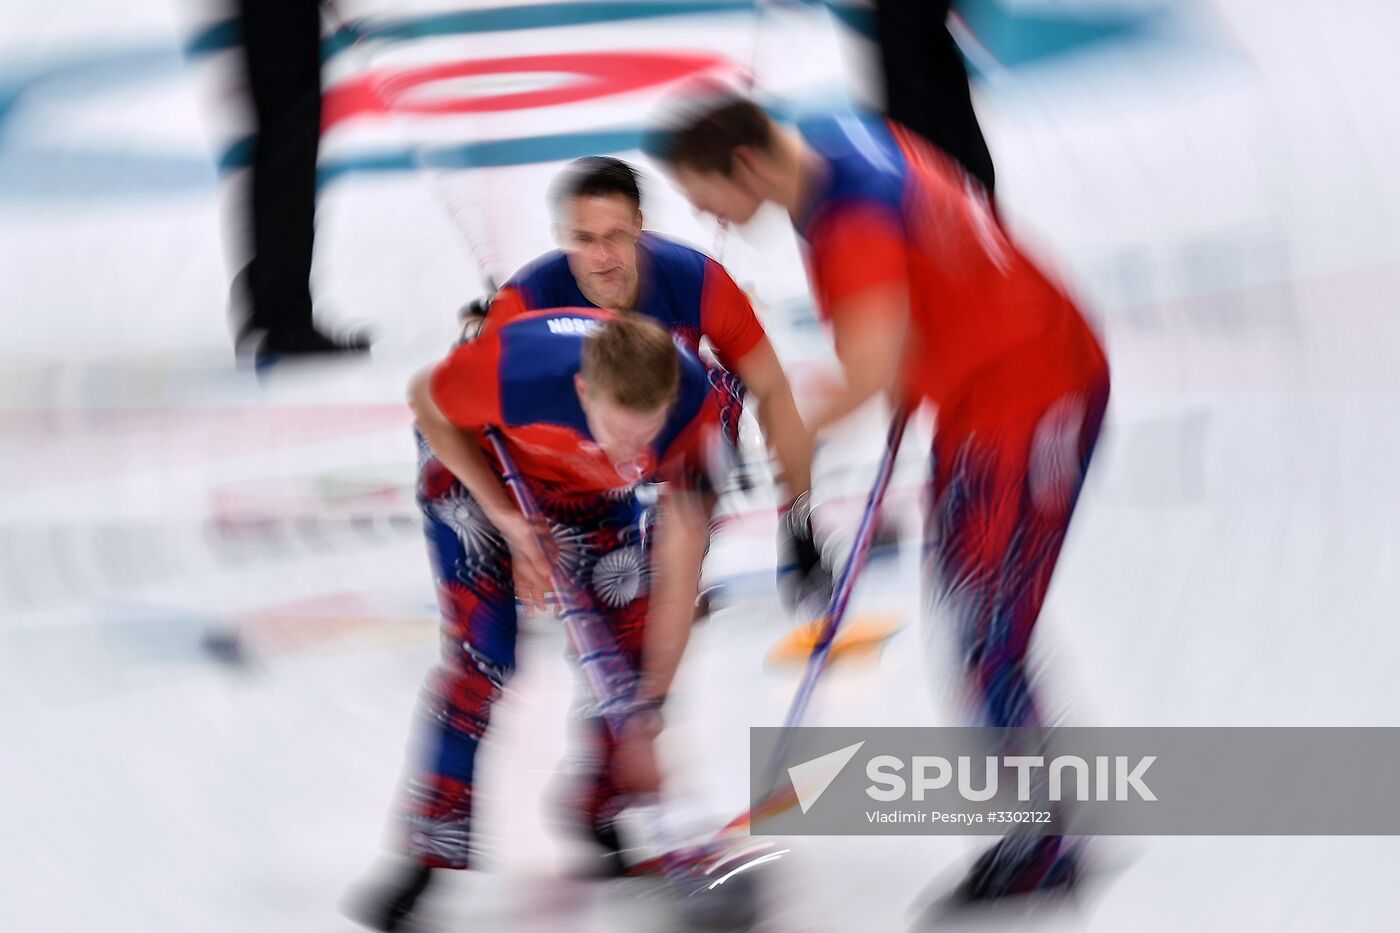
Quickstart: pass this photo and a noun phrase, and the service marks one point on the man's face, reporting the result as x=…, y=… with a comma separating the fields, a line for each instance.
x=600, y=238
x=724, y=196
x=623, y=433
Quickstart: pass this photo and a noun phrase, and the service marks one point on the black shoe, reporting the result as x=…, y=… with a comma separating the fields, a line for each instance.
x=570, y=815
x=1016, y=867
x=386, y=904
x=225, y=646
x=280, y=345
x=608, y=849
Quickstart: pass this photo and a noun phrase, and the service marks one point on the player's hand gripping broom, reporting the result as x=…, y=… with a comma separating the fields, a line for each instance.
x=703, y=901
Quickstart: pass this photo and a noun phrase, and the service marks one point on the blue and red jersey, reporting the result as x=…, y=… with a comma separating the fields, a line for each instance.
x=891, y=210
x=519, y=377
x=682, y=289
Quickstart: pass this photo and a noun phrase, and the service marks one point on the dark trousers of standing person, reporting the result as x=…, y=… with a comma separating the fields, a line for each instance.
x=926, y=86
x=282, y=52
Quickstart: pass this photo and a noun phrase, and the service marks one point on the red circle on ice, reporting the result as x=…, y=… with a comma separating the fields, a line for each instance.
x=591, y=75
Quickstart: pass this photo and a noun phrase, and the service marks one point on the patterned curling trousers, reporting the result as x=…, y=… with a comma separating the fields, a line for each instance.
x=1002, y=496
x=600, y=546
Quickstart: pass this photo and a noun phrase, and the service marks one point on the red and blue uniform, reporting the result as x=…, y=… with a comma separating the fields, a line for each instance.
x=1020, y=384
x=1015, y=371
x=519, y=378
x=681, y=288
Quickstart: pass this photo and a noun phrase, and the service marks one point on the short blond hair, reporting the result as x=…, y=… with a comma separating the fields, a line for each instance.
x=632, y=360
